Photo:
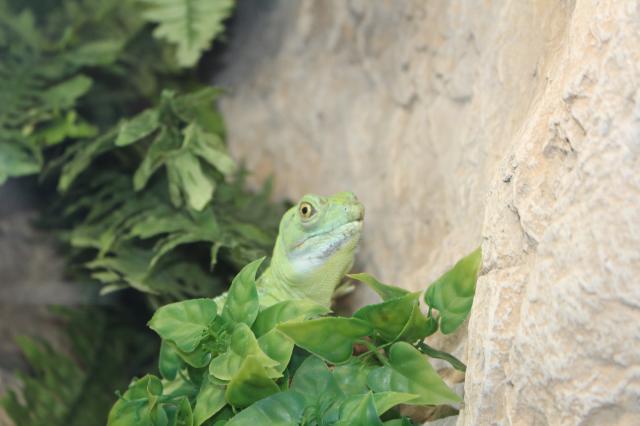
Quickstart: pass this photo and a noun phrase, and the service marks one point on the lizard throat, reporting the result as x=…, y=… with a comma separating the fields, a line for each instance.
x=313, y=269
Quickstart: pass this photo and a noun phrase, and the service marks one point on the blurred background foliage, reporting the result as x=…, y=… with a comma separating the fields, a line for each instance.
x=105, y=104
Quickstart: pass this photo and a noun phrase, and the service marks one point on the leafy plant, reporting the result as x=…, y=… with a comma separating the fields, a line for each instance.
x=189, y=24
x=148, y=196
x=66, y=67
x=107, y=345
x=183, y=191
x=291, y=364
x=452, y=294
x=130, y=152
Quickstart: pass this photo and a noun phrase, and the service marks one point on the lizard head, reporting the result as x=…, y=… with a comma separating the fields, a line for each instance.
x=317, y=242
x=320, y=228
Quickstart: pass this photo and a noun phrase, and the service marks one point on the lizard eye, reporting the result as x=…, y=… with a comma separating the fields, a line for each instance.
x=306, y=210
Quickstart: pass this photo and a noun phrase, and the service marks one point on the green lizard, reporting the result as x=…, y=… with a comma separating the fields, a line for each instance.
x=315, y=248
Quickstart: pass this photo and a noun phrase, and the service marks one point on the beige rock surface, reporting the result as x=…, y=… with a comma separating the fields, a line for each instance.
x=515, y=124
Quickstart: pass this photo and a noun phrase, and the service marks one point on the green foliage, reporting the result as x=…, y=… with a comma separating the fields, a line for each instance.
x=409, y=372
x=452, y=294
x=280, y=409
x=396, y=318
x=242, y=300
x=131, y=155
x=107, y=348
x=242, y=345
x=189, y=24
x=184, y=323
x=346, y=371
x=43, y=75
x=385, y=291
x=140, y=239
x=434, y=353
x=251, y=383
x=287, y=310
x=138, y=223
x=329, y=338
x=149, y=197
x=210, y=400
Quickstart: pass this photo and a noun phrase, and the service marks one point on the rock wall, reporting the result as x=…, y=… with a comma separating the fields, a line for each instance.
x=515, y=124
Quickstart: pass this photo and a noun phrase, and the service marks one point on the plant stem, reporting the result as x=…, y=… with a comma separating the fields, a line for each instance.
x=434, y=353
x=375, y=350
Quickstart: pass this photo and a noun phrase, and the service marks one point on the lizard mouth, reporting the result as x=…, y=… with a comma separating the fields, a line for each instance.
x=334, y=237
x=312, y=252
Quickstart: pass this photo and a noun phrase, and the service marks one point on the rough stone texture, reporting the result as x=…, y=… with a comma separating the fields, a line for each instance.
x=515, y=124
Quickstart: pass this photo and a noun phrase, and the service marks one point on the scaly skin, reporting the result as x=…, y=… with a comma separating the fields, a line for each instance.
x=312, y=254
x=315, y=248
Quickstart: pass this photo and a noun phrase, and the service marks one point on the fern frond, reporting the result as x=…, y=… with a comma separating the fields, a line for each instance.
x=76, y=390
x=189, y=24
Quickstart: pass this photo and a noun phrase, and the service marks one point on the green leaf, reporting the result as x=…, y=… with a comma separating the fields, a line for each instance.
x=187, y=383
x=418, y=326
x=68, y=126
x=250, y=384
x=281, y=409
x=138, y=404
x=286, y=311
x=410, y=372
x=187, y=177
x=222, y=417
x=330, y=338
x=198, y=107
x=169, y=243
x=387, y=400
x=94, y=53
x=352, y=377
x=159, y=416
x=241, y=345
x=277, y=347
x=190, y=24
x=169, y=362
x=64, y=95
x=164, y=144
x=242, y=303
x=16, y=160
x=81, y=158
x=315, y=382
x=163, y=219
x=198, y=358
x=390, y=318
x=210, y=148
x=359, y=411
x=452, y=293
x=138, y=127
x=184, y=416
x=128, y=413
x=184, y=323
x=209, y=401
x=385, y=291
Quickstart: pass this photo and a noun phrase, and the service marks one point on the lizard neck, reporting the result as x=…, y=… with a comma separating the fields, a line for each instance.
x=313, y=279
